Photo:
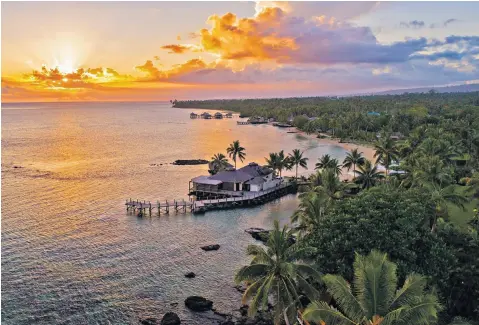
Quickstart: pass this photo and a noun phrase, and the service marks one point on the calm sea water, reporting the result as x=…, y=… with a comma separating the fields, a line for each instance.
x=71, y=254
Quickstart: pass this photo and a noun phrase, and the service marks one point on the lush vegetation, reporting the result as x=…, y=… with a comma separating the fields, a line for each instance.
x=348, y=118
x=416, y=203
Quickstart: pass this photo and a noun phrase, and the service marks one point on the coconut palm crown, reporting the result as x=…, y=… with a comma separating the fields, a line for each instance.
x=386, y=152
x=353, y=159
x=235, y=151
x=326, y=162
x=218, y=162
x=374, y=298
x=296, y=159
x=276, y=270
x=368, y=175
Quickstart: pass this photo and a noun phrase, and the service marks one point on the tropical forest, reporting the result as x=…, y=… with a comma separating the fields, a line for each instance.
x=396, y=245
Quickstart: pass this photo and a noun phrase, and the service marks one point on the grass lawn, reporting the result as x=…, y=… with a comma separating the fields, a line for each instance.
x=462, y=217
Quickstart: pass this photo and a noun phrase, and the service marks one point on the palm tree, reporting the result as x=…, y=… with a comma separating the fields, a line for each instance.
x=386, y=152
x=323, y=162
x=327, y=162
x=432, y=170
x=368, y=175
x=218, y=162
x=374, y=298
x=352, y=159
x=277, y=162
x=272, y=161
x=310, y=211
x=282, y=162
x=235, y=150
x=331, y=188
x=442, y=198
x=276, y=270
x=296, y=159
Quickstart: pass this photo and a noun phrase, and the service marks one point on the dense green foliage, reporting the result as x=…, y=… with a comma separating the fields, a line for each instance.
x=394, y=221
x=428, y=147
x=348, y=117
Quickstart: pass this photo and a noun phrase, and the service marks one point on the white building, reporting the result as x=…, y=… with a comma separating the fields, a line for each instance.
x=250, y=178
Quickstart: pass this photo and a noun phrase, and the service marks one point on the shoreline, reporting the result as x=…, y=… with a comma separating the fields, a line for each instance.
x=367, y=150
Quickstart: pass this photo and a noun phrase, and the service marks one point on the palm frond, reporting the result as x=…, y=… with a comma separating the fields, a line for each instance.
x=375, y=282
x=342, y=294
x=320, y=311
x=413, y=286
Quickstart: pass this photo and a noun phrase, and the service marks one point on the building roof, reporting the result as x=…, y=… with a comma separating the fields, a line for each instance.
x=255, y=170
x=236, y=176
x=244, y=174
x=206, y=180
x=256, y=181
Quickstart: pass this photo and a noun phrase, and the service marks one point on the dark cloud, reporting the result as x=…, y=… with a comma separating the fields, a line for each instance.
x=449, y=21
x=416, y=24
x=445, y=23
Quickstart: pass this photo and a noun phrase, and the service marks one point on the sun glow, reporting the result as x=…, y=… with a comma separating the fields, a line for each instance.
x=65, y=66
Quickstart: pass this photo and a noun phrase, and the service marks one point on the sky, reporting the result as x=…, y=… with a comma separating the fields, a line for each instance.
x=146, y=51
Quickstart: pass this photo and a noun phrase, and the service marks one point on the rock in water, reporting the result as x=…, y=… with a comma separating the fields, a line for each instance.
x=214, y=247
x=259, y=234
x=190, y=162
x=197, y=303
x=190, y=275
x=170, y=318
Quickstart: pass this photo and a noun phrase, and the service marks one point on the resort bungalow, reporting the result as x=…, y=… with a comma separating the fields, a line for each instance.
x=218, y=115
x=193, y=115
x=232, y=182
x=206, y=115
x=229, y=115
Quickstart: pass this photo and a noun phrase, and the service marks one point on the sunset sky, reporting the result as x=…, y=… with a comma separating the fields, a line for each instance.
x=144, y=51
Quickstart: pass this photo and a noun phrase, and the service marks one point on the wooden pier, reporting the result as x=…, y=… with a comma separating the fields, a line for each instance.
x=199, y=206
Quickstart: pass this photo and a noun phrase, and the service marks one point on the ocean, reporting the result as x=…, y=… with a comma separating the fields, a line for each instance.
x=70, y=252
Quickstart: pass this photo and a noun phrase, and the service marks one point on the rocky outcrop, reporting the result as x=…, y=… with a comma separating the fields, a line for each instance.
x=149, y=321
x=170, y=318
x=263, y=235
x=240, y=288
x=190, y=162
x=261, y=318
x=259, y=234
x=214, y=247
x=197, y=303
x=190, y=275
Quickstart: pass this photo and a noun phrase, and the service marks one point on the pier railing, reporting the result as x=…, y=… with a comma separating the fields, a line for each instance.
x=247, y=198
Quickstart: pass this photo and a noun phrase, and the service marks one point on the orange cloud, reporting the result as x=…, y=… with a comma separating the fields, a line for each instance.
x=176, y=48
x=247, y=38
x=153, y=73
x=80, y=78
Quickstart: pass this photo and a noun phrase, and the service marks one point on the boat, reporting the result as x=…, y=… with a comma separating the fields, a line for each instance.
x=283, y=125
x=258, y=120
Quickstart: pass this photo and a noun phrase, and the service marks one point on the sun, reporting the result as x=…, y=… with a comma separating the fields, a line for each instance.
x=66, y=67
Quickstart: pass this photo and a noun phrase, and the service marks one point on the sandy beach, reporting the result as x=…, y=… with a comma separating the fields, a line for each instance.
x=368, y=151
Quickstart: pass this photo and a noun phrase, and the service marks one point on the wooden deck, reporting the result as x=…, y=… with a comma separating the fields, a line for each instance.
x=198, y=206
